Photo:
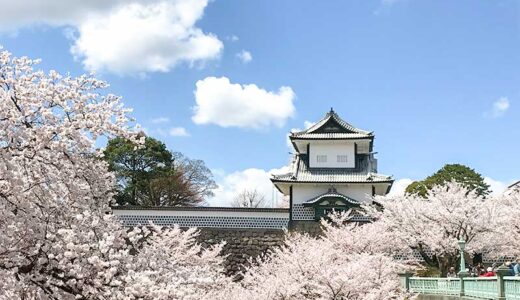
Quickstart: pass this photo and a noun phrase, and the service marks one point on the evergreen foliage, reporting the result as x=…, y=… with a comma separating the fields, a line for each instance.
x=151, y=175
x=462, y=174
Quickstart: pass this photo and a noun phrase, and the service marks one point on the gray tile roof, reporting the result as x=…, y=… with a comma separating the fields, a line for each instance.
x=200, y=208
x=302, y=173
x=351, y=131
x=330, y=136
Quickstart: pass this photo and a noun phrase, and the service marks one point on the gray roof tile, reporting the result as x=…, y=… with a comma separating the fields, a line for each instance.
x=302, y=173
x=351, y=131
x=330, y=136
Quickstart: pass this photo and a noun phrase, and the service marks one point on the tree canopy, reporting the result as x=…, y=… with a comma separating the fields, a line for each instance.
x=58, y=240
x=330, y=266
x=462, y=174
x=432, y=227
x=151, y=175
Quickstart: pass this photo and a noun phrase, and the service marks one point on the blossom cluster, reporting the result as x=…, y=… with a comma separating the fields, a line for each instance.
x=58, y=240
x=347, y=262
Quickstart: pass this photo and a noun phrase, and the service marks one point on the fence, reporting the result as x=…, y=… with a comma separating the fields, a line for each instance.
x=435, y=286
x=500, y=287
x=512, y=287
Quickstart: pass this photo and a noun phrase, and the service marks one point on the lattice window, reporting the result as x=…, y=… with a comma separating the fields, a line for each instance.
x=489, y=259
x=205, y=221
x=415, y=255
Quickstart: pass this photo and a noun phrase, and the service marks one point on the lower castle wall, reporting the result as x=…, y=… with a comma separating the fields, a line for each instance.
x=241, y=244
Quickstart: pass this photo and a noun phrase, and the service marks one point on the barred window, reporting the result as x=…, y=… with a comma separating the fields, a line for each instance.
x=321, y=158
x=342, y=158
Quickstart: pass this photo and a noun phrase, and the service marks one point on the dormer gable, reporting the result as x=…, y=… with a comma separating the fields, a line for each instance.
x=332, y=128
x=333, y=123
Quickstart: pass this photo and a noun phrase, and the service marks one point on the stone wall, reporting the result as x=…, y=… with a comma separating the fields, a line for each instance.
x=241, y=244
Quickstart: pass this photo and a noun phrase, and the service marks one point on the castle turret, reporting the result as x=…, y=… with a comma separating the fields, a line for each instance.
x=333, y=168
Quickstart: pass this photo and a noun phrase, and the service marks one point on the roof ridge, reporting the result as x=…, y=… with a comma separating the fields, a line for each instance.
x=343, y=122
x=332, y=114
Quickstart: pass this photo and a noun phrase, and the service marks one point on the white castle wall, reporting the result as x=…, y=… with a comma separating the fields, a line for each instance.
x=360, y=192
x=302, y=193
x=206, y=218
x=331, y=150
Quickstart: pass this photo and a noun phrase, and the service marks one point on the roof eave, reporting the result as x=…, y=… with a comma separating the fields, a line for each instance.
x=391, y=181
x=275, y=181
x=198, y=208
x=371, y=137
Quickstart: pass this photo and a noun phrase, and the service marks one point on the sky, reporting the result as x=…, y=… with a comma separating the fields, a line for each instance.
x=226, y=81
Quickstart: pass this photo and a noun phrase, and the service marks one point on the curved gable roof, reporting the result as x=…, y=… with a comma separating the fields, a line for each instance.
x=332, y=124
x=332, y=193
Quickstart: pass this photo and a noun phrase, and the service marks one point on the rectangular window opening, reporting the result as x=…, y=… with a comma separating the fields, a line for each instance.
x=321, y=158
x=342, y=158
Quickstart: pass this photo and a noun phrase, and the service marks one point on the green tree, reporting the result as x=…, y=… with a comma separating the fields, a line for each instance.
x=451, y=172
x=151, y=175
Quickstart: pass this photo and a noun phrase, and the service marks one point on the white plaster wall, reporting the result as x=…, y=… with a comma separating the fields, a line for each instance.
x=360, y=192
x=302, y=193
x=381, y=189
x=332, y=150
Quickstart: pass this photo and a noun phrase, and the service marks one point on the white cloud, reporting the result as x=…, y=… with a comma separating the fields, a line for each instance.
x=178, y=131
x=123, y=37
x=399, y=187
x=139, y=38
x=21, y=13
x=220, y=102
x=306, y=125
x=497, y=187
x=245, y=56
x=500, y=107
x=160, y=120
x=230, y=185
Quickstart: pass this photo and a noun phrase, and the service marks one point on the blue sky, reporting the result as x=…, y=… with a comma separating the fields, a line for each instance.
x=437, y=81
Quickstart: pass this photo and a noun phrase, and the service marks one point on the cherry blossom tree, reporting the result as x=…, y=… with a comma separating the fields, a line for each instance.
x=58, y=240
x=432, y=226
x=508, y=230
x=347, y=262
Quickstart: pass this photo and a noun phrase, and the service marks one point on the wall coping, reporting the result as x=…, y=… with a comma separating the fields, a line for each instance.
x=201, y=208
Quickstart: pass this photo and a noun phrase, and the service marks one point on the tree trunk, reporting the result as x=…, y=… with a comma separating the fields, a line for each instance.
x=446, y=262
